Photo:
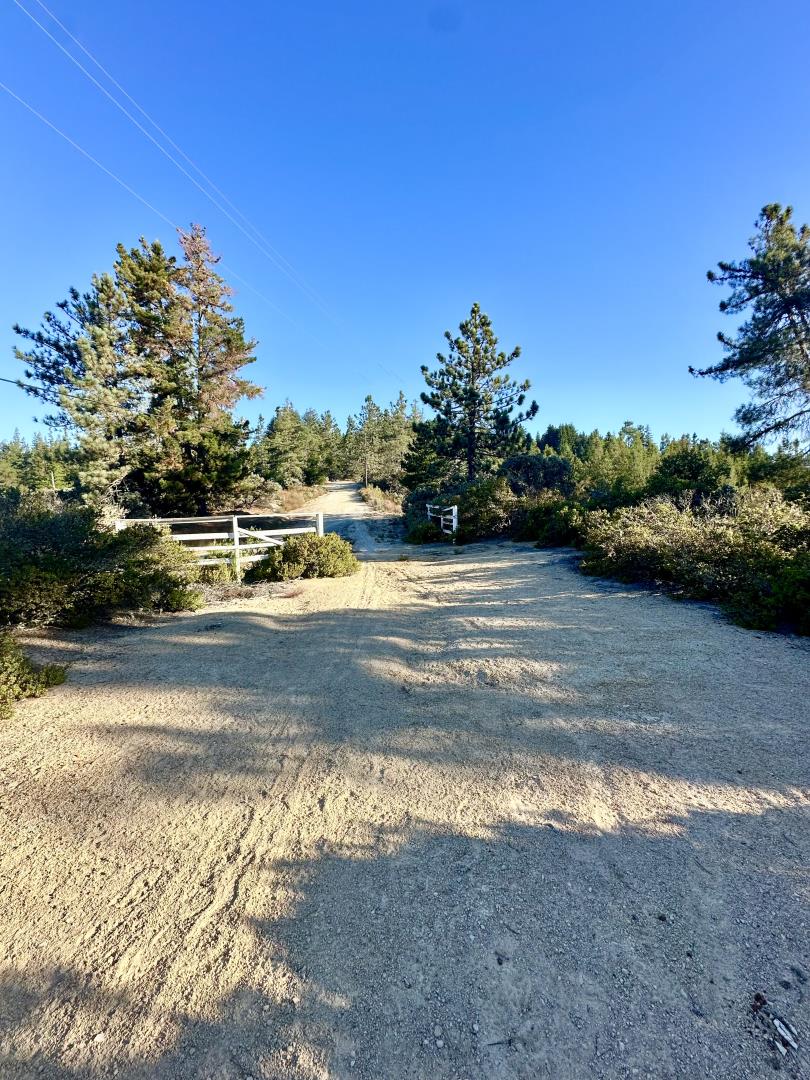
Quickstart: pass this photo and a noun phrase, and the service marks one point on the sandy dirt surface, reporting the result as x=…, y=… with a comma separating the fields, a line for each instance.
x=462, y=815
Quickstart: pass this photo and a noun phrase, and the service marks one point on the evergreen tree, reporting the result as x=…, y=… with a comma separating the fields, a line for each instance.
x=49, y=464
x=282, y=452
x=102, y=397
x=331, y=443
x=691, y=465
x=145, y=368
x=423, y=464
x=474, y=399
x=771, y=351
x=370, y=423
x=12, y=462
x=202, y=453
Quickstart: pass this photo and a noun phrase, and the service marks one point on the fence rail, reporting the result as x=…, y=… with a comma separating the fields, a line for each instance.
x=255, y=541
x=447, y=517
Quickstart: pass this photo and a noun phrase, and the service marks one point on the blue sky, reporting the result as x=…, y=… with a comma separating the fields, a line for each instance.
x=574, y=168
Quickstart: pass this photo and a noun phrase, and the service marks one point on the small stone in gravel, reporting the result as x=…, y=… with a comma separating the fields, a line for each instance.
x=439, y=1044
x=475, y=1028
x=99, y=1038
x=437, y=1031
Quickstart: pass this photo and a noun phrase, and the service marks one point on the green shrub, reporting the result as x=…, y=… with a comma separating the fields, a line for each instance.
x=220, y=573
x=385, y=502
x=486, y=508
x=57, y=566
x=551, y=520
x=306, y=556
x=20, y=678
x=755, y=561
x=528, y=474
x=426, y=532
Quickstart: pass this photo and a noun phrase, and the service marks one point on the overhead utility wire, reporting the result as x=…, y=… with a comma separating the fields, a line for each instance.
x=145, y=202
x=171, y=141
x=262, y=247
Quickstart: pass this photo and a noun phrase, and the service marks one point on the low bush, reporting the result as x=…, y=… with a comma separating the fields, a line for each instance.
x=755, y=560
x=253, y=490
x=426, y=532
x=385, y=502
x=487, y=508
x=58, y=566
x=550, y=520
x=528, y=474
x=307, y=556
x=294, y=498
x=20, y=678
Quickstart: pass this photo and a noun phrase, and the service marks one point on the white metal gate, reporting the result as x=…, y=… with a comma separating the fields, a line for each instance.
x=247, y=543
x=445, y=516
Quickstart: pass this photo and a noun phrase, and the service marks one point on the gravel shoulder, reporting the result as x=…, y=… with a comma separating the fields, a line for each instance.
x=465, y=814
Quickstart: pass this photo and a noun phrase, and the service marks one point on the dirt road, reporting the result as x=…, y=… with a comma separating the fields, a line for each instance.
x=468, y=815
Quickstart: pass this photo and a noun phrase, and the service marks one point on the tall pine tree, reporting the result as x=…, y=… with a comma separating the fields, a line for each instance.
x=474, y=399
x=770, y=352
x=145, y=368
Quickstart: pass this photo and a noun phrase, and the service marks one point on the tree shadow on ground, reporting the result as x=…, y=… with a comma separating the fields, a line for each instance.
x=622, y=871
x=531, y=667
x=536, y=950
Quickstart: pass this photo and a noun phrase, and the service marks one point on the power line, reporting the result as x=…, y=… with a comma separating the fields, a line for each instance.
x=88, y=155
x=146, y=203
x=167, y=137
x=267, y=251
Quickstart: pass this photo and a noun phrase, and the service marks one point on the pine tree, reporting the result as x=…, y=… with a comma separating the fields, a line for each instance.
x=12, y=462
x=423, y=464
x=282, y=451
x=101, y=399
x=771, y=351
x=369, y=438
x=473, y=399
x=145, y=368
x=331, y=439
x=202, y=452
x=396, y=436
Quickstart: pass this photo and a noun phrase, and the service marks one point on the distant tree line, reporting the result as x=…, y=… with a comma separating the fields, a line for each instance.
x=143, y=371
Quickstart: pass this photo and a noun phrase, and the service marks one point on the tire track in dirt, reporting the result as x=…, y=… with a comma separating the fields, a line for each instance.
x=291, y=837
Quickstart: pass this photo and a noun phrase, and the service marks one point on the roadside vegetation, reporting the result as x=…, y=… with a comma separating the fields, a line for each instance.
x=141, y=374
x=20, y=677
x=306, y=557
x=384, y=502
x=60, y=564
x=727, y=521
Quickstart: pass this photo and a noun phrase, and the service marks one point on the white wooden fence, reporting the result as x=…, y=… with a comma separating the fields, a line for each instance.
x=247, y=544
x=447, y=517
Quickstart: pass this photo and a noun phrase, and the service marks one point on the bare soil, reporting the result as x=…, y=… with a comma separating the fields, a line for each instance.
x=465, y=814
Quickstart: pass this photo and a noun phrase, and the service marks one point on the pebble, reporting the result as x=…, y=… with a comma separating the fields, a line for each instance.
x=437, y=1031
x=99, y=1038
x=439, y=1044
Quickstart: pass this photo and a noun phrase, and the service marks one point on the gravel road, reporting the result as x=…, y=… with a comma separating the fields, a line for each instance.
x=464, y=815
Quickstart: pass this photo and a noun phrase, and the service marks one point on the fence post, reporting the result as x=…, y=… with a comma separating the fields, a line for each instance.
x=237, y=565
x=319, y=523
x=455, y=519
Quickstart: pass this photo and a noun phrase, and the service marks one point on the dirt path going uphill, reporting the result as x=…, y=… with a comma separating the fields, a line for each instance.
x=468, y=815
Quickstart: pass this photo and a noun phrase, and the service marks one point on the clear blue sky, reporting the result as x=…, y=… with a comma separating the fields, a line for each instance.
x=575, y=168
